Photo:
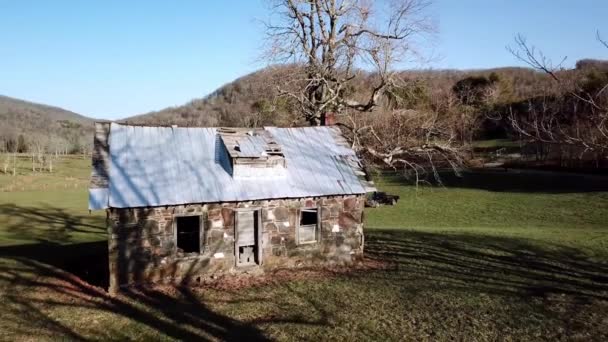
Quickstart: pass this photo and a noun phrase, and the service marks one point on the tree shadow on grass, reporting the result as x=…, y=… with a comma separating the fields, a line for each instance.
x=525, y=181
x=87, y=261
x=38, y=289
x=53, y=273
x=487, y=264
x=37, y=281
x=50, y=224
x=50, y=233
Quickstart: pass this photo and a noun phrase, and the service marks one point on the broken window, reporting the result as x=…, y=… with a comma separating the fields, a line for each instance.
x=188, y=230
x=309, y=226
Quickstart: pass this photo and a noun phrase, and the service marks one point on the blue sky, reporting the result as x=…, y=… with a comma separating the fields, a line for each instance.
x=113, y=59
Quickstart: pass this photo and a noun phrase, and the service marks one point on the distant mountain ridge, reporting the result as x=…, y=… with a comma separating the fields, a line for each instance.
x=41, y=124
x=56, y=113
x=233, y=104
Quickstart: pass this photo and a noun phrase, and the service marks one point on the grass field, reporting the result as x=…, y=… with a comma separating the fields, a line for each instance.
x=491, y=256
x=69, y=172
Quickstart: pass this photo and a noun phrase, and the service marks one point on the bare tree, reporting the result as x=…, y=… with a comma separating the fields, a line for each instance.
x=576, y=115
x=334, y=40
x=6, y=163
x=15, y=163
x=338, y=45
x=38, y=147
x=600, y=39
x=414, y=141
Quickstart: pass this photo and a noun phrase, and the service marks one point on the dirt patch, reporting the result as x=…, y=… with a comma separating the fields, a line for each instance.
x=233, y=282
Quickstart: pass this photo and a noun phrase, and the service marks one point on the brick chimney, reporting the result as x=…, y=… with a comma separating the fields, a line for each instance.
x=330, y=119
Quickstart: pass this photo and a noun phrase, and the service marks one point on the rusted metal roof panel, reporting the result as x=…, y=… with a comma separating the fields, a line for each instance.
x=155, y=166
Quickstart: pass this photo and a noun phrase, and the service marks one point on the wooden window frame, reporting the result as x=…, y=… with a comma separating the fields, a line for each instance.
x=202, y=234
x=317, y=226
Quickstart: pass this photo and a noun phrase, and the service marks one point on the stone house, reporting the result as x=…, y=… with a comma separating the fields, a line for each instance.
x=189, y=202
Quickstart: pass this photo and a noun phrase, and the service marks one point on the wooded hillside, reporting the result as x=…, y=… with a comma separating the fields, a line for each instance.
x=25, y=125
x=250, y=100
x=253, y=100
x=472, y=105
x=500, y=103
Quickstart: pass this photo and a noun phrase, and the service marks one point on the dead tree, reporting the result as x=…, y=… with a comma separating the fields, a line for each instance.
x=579, y=118
x=14, y=163
x=334, y=40
x=6, y=163
x=414, y=141
x=334, y=45
x=49, y=159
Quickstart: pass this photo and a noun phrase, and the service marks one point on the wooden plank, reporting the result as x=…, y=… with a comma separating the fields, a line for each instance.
x=308, y=233
x=246, y=228
x=259, y=247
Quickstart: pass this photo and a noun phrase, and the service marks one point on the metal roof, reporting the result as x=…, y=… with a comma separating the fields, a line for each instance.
x=252, y=146
x=244, y=145
x=155, y=166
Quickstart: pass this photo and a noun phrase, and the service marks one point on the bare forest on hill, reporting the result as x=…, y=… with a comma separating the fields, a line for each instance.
x=514, y=105
x=40, y=134
x=495, y=104
x=27, y=127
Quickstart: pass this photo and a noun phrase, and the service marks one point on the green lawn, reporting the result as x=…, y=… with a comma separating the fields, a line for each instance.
x=69, y=172
x=48, y=207
x=51, y=216
x=491, y=256
x=560, y=209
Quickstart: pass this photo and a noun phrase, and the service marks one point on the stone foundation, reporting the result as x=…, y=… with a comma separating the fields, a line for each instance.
x=142, y=243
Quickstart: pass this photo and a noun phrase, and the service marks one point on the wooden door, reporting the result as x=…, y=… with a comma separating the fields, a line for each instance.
x=248, y=247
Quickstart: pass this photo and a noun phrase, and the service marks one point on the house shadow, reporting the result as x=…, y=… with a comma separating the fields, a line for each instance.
x=512, y=180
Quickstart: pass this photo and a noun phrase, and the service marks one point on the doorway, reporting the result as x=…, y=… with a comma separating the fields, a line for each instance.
x=248, y=238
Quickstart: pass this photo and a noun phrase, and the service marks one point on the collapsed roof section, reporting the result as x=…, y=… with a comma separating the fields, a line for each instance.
x=252, y=153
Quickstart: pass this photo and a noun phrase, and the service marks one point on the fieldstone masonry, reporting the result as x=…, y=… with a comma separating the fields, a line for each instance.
x=100, y=156
x=142, y=243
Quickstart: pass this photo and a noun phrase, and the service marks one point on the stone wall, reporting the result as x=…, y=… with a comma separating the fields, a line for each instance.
x=100, y=156
x=142, y=246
